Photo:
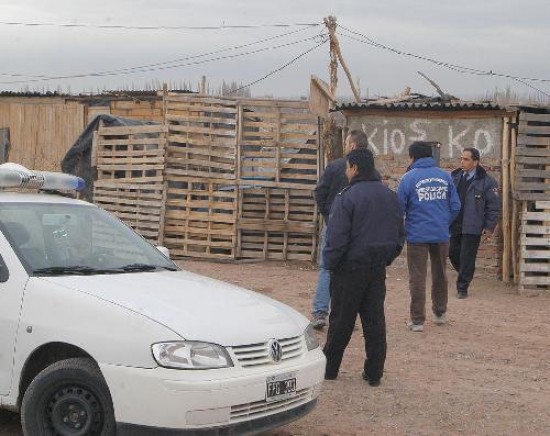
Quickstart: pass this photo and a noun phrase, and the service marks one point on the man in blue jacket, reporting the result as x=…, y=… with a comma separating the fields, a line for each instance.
x=364, y=235
x=430, y=203
x=478, y=216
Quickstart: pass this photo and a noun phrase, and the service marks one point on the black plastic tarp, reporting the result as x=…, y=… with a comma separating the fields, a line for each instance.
x=78, y=160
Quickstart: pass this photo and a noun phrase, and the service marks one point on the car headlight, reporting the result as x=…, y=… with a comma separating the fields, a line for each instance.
x=191, y=355
x=311, y=338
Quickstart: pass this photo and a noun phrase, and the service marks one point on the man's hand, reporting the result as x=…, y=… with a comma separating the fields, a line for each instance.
x=486, y=235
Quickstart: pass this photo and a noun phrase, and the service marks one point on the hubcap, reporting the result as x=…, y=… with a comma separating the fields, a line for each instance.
x=74, y=411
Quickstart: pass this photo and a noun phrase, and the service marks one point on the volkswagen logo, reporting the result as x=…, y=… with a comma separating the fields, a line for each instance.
x=275, y=350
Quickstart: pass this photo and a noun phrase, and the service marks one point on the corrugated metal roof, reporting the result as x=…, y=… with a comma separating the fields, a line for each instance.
x=419, y=105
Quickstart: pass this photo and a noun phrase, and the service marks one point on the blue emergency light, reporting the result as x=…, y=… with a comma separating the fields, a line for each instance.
x=13, y=175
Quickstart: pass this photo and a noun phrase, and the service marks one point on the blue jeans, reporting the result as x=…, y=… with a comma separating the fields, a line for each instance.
x=321, y=300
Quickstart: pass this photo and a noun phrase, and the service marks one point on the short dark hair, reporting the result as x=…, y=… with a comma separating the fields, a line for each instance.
x=474, y=152
x=420, y=149
x=359, y=138
x=363, y=159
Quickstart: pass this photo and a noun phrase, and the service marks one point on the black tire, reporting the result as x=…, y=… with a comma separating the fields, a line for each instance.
x=68, y=398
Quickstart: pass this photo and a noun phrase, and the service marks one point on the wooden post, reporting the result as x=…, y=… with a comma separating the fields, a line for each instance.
x=506, y=200
x=330, y=22
x=515, y=203
x=202, y=86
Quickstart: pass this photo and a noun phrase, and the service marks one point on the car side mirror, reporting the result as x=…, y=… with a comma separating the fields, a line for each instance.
x=164, y=251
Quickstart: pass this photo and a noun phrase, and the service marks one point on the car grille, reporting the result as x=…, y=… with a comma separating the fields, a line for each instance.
x=257, y=355
x=257, y=409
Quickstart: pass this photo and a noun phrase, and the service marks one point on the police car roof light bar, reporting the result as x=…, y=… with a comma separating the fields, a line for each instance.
x=17, y=176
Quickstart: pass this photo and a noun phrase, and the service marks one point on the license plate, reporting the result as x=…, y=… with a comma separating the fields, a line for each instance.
x=280, y=387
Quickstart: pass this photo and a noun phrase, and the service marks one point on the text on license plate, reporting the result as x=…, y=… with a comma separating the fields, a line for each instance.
x=280, y=388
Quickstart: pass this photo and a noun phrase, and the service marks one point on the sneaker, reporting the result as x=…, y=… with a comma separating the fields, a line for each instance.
x=415, y=327
x=461, y=295
x=440, y=319
x=372, y=383
x=319, y=321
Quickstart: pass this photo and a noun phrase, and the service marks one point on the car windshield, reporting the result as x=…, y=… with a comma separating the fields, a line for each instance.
x=62, y=239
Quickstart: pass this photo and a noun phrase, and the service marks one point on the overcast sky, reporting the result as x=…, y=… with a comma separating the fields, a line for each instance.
x=502, y=36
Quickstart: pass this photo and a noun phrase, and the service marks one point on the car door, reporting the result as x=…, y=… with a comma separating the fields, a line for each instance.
x=13, y=279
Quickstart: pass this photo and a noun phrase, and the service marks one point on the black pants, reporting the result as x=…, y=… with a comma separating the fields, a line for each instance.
x=463, y=253
x=360, y=291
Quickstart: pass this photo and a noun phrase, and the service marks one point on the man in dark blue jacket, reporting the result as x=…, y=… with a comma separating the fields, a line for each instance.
x=478, y=216
x=430, y=202
x=364, y=235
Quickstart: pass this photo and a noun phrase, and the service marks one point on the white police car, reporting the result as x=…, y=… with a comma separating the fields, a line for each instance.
x=102, y=334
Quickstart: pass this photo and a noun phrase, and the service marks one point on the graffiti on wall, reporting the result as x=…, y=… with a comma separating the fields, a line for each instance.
x=393, y=135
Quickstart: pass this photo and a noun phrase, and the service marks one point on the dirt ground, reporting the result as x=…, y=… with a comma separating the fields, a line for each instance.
x=487, y=372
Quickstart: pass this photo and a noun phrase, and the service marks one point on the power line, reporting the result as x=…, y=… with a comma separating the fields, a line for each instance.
x=457, y=68
x=280, y=68
x=170, y=61
x=126, y=27
x=156, y=68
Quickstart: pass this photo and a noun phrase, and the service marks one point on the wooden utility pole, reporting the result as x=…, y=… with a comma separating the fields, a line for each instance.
x=331, y=136
x=336, y=52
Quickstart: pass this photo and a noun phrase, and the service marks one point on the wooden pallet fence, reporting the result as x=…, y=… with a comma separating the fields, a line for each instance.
x=202, y=136
x=274, y=245
x=201, y=216
x=278, y=143
x=138, y=205
x=533, y=157
x=534, y=268
x=130, y=181
x=276, y=223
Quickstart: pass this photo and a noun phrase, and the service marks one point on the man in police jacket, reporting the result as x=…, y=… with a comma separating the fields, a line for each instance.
x=478, y=216
x=430, y=203
x=364, y=235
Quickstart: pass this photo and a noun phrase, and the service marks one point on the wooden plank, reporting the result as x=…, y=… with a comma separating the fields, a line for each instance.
x=200, y=130
x=535, y=267
x=217, y=152
x=535, y=216
x=529, y=116
x=108, y=199
x=524, y=140
x=533, y=151
x=131, y=130
x=535, y=230
x=156, y=143
x=202, y=119
x=218, y=141
x=531, y=173
x=528, y=129
x=531, y=186
x=535, y=280
x=543, y=241
x=130, y=151
x=533, y=160
x=542, y=204
x=530, y=196
x=535, y=254
x=174, y=109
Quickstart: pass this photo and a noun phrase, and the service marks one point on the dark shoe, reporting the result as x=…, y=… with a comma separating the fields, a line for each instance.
x=372, y=383
x=461, y=295
x=319, y=321
x=330, y=377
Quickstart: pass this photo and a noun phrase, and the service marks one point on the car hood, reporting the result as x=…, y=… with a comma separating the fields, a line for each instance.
x=193, y=306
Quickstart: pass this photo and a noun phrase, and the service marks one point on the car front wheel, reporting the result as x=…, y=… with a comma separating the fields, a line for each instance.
x=68, y=398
